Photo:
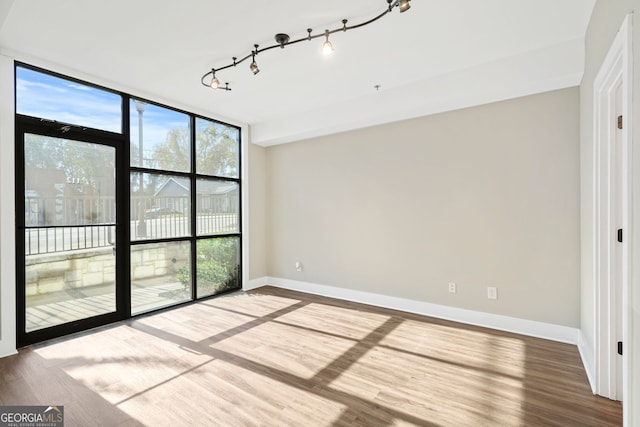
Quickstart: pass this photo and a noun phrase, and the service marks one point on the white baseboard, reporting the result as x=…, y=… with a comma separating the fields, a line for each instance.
x=586, y=354
x=531, y=328
x=7, y=349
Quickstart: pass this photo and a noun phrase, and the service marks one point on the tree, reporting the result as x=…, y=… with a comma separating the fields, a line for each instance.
x=68, y=182
x=81, y=162
x=174, y=153
x=216, y=150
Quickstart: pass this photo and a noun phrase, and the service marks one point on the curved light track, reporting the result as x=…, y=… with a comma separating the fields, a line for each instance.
x=283, y=40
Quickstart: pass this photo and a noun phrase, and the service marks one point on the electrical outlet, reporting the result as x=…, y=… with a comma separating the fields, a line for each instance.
x=298, y=266
x=492, y=292
x=452, y=288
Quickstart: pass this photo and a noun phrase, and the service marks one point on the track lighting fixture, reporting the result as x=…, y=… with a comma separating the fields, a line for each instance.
x=254, y=67
x=283, y=40
x=215, y=83
x=327, y=47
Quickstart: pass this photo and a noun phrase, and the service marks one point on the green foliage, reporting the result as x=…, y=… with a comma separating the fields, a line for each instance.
x=216, y=265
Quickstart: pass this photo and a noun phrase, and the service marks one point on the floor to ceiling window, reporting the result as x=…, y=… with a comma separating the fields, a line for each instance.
x=129, y=206
x=184, y=204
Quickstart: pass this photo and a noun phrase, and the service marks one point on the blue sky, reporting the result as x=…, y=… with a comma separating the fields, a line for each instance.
x=43, y=95
x=49, y=97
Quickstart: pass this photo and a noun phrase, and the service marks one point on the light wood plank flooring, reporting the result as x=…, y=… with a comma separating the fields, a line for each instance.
x=271, y=357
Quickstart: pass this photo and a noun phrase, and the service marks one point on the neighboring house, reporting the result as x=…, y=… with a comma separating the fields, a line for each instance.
x=211, y=196
x=52, y=200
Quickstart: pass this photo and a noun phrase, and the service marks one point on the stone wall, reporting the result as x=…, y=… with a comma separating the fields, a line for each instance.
x=62, y=271
x=49, y=273
x=157, y=260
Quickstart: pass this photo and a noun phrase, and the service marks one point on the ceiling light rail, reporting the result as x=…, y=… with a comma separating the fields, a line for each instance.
x=210, y=80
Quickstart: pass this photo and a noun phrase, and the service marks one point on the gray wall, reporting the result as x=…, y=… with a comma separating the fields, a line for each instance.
x=486, y=196
x=257, y=212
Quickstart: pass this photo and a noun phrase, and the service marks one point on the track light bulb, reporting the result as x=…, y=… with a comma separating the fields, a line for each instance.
x=254, y=68
x=404, y=5
x=327, y=47
x=215, y=83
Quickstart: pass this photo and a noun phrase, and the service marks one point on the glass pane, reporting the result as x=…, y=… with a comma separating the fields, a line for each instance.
x=160, y=275
x=45, y=96
x=160, y=206
x=160, y=137
x=69, y=230
x=218, y=207
x=217, y=149
x=68, y=182
x=217, y=265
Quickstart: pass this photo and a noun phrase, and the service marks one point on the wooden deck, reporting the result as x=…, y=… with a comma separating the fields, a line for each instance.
x=67, y=306
x=278, y=358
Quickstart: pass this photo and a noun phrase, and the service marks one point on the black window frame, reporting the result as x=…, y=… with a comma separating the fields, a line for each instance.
x=124, y=170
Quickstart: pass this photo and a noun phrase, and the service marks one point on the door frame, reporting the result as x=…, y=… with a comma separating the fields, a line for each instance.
x=25, y=125
x=616, y=70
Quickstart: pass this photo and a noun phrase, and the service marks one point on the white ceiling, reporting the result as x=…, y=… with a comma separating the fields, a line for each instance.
x=438, y=56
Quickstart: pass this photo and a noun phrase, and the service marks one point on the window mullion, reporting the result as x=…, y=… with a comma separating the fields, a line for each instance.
x=193, y=213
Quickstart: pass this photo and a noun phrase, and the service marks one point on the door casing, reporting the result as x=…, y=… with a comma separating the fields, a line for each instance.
x=612, y=269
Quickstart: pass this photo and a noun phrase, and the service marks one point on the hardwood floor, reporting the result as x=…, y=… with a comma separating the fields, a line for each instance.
x=271, y=357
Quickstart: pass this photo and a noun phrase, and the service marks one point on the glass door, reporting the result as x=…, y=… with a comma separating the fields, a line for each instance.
x=69, y=194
